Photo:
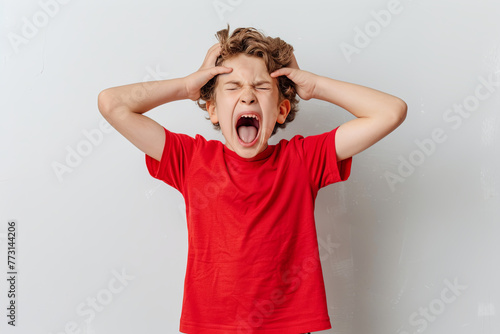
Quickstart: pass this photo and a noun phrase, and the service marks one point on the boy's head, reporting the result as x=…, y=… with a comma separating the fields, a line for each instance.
x=248, y=105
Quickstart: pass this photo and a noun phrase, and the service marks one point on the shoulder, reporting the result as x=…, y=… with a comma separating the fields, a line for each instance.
x=208, y=143
x=196, y=140
x=189, y=145
x=301, y=141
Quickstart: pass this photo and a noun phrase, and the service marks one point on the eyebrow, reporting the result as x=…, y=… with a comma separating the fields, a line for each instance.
x=257, y=83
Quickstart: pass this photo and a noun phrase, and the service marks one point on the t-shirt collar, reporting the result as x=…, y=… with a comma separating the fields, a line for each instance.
x=261, y=156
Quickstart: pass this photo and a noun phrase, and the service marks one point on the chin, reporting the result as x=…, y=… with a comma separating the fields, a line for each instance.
x=249, y=151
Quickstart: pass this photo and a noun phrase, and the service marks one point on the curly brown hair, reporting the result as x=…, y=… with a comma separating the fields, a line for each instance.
x=276, y=54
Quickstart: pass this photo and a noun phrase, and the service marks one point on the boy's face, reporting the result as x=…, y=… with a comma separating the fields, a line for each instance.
x=247, y=105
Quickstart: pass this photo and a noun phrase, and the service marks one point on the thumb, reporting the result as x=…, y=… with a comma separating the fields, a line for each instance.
x=282, y=71
x=216, y=70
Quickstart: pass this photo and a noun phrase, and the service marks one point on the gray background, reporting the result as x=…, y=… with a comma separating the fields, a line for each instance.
x=408, y=243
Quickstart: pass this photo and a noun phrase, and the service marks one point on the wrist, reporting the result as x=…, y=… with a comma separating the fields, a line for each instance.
x=322, y=86
x=317, y=91
x=188, y=91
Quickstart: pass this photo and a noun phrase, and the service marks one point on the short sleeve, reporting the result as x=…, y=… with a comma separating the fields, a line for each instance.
x=177, y=152
x=321, y=158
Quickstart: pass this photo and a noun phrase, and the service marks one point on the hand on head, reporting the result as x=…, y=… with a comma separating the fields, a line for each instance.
x=305, y=82
x=208, y=70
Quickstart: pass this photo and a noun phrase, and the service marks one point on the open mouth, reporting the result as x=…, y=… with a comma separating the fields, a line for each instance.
x=247, y=128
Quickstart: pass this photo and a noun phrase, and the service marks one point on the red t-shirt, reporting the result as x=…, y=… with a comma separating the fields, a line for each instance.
x=253, y=260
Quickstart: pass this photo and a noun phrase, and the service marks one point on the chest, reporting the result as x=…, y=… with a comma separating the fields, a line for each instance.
x=245, y=186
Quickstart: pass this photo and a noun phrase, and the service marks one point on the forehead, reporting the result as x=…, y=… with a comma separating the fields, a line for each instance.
x=245, y=68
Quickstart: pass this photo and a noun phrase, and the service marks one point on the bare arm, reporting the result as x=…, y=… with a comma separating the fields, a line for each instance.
x=378, y=113
x=123, y=106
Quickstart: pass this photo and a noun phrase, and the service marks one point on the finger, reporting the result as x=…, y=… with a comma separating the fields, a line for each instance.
x=282, y=71
x=219, y=70
x=214, y=51
x=215, y=46
x=211, y=56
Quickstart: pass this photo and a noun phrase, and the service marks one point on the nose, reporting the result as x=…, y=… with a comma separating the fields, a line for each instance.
x=247, y=96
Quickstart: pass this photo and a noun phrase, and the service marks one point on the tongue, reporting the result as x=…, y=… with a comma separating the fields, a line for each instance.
x=247, y=133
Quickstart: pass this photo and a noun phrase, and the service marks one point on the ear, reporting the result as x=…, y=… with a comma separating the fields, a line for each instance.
x=212, y=113
x=284, y=110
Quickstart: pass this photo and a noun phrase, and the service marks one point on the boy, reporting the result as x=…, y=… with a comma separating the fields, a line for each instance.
x=253, y=261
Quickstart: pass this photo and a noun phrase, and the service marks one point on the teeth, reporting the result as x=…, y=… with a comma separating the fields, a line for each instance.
x=249, y=116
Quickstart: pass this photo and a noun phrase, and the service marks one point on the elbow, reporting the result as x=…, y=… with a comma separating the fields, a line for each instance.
x=399, y=112
x=110, y=107
x=108, y=102
x=104, y=102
